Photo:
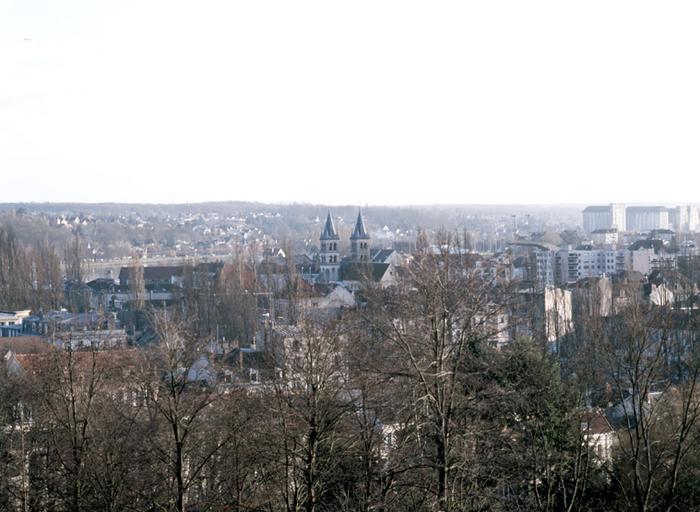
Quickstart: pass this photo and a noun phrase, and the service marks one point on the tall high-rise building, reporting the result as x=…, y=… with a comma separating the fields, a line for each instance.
x=618, y=217
x=684, y=218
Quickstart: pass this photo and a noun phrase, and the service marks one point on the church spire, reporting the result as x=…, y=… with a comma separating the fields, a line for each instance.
x=329, y=232
x=359, y=233
x=328, y=255
x=359, y=241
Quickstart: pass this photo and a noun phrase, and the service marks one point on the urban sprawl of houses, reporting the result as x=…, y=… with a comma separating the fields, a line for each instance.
x=558, y=275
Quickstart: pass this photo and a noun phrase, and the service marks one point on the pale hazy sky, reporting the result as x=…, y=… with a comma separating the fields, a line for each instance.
x=378, y=102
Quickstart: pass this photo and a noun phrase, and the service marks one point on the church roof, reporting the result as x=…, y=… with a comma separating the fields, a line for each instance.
x=381, y=255
x=359, y=271
x=360, y=233
x=329, y=232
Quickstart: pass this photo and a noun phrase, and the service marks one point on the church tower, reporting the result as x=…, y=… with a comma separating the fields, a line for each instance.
x=359, y=241
x=330, y=262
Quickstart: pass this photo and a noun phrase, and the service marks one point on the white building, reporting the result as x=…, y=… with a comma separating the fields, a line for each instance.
x=618, y=213
x=646, y=218
x=11, y=322
x=605, y=236
x=599, y=435
x=558, y=313
x=612, y=216
x=585, y=263
x=649, y=255
x=545, y=267
x=684, y=218
x=597, y=217
x=645, y=260
x=545, y=315
x=566, y=266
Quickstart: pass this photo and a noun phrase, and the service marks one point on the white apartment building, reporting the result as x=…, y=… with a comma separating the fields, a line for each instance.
x=546, y=267
x=646, y=260
x=569, y=266
x=684, y=218
x=610, y=216
x=605, y=236
x=584, y=263
x=618, y=214
x=646, y=218
x=597, y=217
x=640, y=218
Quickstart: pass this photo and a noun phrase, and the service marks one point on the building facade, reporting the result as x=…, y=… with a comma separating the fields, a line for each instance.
x=646, y=218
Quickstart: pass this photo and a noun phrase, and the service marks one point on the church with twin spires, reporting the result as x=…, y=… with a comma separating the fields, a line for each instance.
x=361, y=264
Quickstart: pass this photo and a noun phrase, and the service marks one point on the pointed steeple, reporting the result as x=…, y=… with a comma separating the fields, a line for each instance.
x=360, y=233
x=329, y=232
x=359, y=241
x=329, y=259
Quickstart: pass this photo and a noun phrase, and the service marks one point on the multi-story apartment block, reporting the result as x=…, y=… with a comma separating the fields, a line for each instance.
x=597, y=217
x=646, y=218
x=611, y=216
x=587, y=262
x=546, y=269
x=566, y=266
x=640, y=218
x=618, y=214
x=605, y=236
x=684, y=218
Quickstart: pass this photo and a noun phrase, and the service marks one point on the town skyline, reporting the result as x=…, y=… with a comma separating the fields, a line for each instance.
x=349, y=256
x=228, y=311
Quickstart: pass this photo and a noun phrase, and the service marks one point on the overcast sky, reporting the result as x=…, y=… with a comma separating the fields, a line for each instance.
x=361, y=102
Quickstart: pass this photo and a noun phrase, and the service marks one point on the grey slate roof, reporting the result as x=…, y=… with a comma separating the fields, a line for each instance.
x=360, y=233
x=381, y=255
x=157, y=273
x=357, y=271
x=655, y=244
x=329, y=232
